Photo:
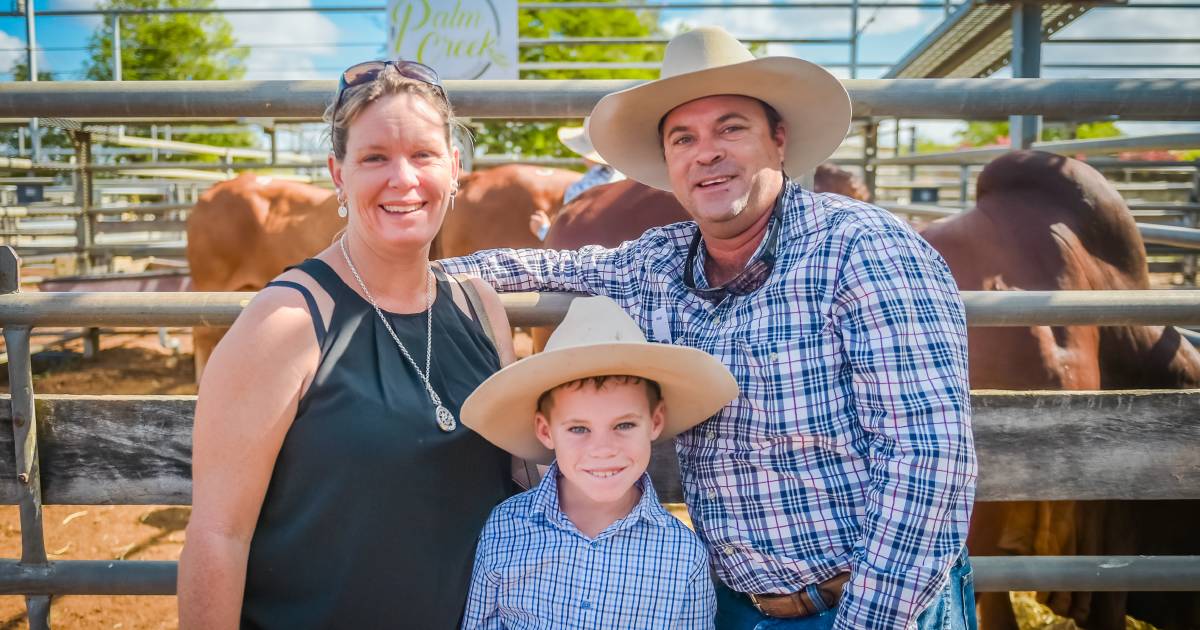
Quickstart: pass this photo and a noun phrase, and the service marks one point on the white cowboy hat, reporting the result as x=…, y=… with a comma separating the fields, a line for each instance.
x=708, y=61
x=596, y=338
x=576, y=139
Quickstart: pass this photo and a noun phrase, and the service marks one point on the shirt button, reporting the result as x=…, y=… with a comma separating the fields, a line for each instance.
x=729, y=551
x=585, y=605
x=710, y=434
x=712, y=495
x=774, y=357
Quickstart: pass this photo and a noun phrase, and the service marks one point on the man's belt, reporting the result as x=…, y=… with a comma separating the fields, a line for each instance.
x=800, y=604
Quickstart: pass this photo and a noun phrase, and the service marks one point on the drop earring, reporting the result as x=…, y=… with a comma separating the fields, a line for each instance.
x=453, y=193
x=343, y=211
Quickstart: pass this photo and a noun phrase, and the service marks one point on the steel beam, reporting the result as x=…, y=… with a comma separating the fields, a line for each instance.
x=1026, y=62
x=25, y=442
x=1175, y=236
x=35, y=140
x=992, y=574
x=1138, y=99
x=984, y=308
x=1087, y=573
x=1063, y=147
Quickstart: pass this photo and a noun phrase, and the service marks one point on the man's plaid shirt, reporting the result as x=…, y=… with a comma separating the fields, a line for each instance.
x=850, y=445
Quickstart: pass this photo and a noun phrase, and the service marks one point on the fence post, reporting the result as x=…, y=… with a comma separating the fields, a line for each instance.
x=25, y=445
x=964, y=186
x=1190, y=219
x=870, y=151
x=84, y=225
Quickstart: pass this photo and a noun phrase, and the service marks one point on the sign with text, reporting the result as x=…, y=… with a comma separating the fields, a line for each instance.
x=461, y=39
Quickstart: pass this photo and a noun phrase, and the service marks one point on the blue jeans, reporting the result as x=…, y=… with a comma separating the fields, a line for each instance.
x=953, y=609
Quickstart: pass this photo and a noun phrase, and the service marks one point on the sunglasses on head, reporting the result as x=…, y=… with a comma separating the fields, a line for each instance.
x=368, y=71
x=752, y=276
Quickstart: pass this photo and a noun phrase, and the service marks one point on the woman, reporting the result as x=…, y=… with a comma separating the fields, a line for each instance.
x=333, y=485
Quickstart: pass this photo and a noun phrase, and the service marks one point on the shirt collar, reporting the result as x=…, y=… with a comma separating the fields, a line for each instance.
x=545, y=504
x=784, y=210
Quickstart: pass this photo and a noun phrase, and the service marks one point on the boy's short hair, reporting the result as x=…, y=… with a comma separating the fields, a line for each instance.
x=653, y=391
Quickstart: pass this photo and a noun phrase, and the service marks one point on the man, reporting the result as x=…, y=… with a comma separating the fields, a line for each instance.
x=835, y=492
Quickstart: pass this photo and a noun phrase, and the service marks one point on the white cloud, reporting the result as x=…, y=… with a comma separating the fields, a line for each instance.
x=12, y=50
x=284, y=45
x=1127, y=23
x=776, y=22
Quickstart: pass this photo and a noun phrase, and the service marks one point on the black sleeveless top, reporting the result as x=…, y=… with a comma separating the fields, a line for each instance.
x=372, y=512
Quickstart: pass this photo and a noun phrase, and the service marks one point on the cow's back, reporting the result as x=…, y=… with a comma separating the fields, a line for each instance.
x=611, y=214
x=1043, y=223
x=245, y=231
x=493, y=206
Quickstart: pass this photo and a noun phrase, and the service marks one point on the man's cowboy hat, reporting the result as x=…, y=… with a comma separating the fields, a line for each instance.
x=708, y=61
x=596, y=338
x=576, y=139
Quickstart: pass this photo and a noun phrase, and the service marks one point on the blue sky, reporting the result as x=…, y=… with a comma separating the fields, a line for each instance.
x=314, y=45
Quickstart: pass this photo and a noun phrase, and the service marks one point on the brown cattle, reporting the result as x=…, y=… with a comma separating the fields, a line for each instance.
x=1045, y=222
x=244, y=232
x=492, y=208
x=613, y=213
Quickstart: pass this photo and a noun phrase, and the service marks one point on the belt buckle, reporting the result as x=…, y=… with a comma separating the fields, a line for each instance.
x=757, y=605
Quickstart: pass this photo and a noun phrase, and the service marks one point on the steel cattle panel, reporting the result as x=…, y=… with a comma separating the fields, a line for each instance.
x=976, y=40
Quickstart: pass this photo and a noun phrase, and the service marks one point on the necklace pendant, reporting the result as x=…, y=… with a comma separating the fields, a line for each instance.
x=445, y=419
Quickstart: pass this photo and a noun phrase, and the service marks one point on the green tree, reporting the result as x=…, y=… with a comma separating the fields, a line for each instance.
x=51, y=137
x=982, y=133
x=539, y=138
x=170, y=47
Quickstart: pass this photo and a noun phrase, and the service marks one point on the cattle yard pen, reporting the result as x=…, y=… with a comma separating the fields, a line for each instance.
x=91, y=450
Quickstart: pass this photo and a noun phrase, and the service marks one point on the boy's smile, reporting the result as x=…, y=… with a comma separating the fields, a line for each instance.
x=601, y=439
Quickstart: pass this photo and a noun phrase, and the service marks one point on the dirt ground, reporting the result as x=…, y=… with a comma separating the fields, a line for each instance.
x=127, y=364
x=138, y=364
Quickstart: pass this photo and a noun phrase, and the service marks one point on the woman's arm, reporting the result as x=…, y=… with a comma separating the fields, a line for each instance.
x=248, y=398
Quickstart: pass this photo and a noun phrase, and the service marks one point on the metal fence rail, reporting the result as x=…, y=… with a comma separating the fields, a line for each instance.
x=1134, y=99
x=992, y=574
x=984, y=308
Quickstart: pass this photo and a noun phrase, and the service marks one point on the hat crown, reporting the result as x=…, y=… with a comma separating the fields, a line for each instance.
x=700, y=49
x=594, y=321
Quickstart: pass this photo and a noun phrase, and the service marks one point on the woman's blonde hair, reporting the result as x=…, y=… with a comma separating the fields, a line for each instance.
x=356, y=99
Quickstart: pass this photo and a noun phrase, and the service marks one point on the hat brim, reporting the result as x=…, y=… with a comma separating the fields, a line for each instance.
x=695, y=385
x=813, y=104
x=575, y=139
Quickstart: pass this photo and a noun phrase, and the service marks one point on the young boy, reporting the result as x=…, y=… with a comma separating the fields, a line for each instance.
x=591, y=547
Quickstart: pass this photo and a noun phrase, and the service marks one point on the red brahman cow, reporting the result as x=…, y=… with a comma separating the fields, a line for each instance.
x=1046, y=222
x=245, y=231
x=613, y=213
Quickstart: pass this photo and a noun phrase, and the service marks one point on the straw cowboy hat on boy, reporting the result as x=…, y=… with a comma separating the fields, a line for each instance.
x=597, y=338
x=708, y=61
x=576, y=139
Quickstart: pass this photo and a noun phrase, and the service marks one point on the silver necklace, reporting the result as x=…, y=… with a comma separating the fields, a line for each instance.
x=445, y=419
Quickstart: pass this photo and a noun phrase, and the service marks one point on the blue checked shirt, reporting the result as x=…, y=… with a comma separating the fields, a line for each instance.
x=595, y=176
x=850, y=445
x=534, y=569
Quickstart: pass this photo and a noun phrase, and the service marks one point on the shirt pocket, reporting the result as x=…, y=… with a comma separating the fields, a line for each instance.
x=796, y=383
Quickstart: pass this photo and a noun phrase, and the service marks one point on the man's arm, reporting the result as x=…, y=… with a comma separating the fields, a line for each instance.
x=593, y=269
x=904, y=334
